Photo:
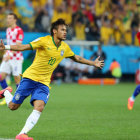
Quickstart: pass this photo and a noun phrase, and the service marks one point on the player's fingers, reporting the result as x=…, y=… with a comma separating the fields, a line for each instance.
x=100, y=67
x=98, y=57
x=102, y=63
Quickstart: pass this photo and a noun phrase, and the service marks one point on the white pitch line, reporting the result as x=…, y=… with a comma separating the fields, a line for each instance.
x=6, y=139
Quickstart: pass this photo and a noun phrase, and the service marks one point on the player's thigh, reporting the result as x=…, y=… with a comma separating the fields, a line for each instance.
x=16, y=67
x=5, y=67
x=25, y=88
x=40, y=93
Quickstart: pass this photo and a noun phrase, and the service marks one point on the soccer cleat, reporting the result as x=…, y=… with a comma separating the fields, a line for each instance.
x=130, y=103
x=23, y=137
x=3, y=102
x=2, y=91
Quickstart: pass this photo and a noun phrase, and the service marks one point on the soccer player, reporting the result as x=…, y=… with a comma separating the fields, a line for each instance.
x=12, y=60
x=50, y=51
x=131, y=99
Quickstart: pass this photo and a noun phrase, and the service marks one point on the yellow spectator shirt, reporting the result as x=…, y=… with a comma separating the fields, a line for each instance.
x=106, y=33
x=47, y=58
x=2, y=3
x=67, y=16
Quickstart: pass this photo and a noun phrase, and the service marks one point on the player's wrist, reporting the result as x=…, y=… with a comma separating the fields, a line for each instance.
x=93, y=63
x=7, y=47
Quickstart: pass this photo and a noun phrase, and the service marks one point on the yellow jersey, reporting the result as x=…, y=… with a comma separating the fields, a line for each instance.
x=47, y=58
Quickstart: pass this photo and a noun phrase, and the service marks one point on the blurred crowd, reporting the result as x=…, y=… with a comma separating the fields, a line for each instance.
x=110, y=21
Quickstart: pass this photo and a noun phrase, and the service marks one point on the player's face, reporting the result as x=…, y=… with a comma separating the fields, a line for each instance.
x=10, y=20
x=62, y=32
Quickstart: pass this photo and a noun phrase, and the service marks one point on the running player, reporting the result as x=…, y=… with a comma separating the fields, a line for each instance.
x=131, y=99
x=50, y=51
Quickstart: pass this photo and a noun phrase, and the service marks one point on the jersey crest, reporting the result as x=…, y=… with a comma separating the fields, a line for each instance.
x=62, y=52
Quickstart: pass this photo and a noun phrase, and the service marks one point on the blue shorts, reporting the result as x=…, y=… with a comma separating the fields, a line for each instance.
x=37, y=90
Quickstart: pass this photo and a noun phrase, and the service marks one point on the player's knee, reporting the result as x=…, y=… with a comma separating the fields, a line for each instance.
x=39, y=105
x=13, y=106
x=2, y=77
x=39, y=108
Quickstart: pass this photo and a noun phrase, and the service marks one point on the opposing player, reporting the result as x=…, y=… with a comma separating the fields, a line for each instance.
x=50, y=51
x=131, y=99
x=12, y=60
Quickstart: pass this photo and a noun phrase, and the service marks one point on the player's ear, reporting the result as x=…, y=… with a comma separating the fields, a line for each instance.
x=54, y=31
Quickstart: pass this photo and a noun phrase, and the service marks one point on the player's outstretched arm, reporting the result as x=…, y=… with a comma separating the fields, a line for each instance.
x=97, y=63
x=18, y=47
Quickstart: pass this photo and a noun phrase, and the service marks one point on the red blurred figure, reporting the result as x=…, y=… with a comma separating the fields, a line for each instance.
x=138, y=36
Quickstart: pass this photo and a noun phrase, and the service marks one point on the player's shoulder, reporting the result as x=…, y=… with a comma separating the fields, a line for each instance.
x=42, y=39
x=18, y=28
x=64, y=44
x=47, y=37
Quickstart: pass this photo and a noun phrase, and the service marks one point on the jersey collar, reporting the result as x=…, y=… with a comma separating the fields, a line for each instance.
x=54, y=43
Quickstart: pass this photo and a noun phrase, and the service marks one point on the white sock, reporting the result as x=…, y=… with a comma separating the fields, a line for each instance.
x=8, y=97
x=31, y=121
x=132, y=98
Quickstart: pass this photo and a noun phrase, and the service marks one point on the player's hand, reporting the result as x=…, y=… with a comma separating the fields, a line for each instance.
x=2, y=47
x=98, y=63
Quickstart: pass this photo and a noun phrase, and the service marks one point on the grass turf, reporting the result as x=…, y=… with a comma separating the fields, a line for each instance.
x=79, y=112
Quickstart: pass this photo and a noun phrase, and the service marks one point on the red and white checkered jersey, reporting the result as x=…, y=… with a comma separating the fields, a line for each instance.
x=13, y=36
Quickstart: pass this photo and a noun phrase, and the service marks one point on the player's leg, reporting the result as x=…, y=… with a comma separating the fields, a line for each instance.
x=15, y=67
x=3, y=84
x=132, y=98
x=34, y=116
x=24, y=90
x=2, y=80
x=39, y=99
x=8, y=98
x=17, y=80
x=16, y=70
x=4, y=70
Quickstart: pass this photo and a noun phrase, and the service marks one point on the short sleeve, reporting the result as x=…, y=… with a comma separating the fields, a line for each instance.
x=20, y=35
x=69, y=52
x=36, y=44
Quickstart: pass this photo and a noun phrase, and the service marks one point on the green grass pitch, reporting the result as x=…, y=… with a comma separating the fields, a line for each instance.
x=79, y=112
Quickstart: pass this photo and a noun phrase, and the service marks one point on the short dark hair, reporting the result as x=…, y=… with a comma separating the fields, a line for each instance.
x=56, y=24
x=13, y=14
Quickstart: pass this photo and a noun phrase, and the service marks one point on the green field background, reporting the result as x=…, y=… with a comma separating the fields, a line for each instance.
x=79, y=112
